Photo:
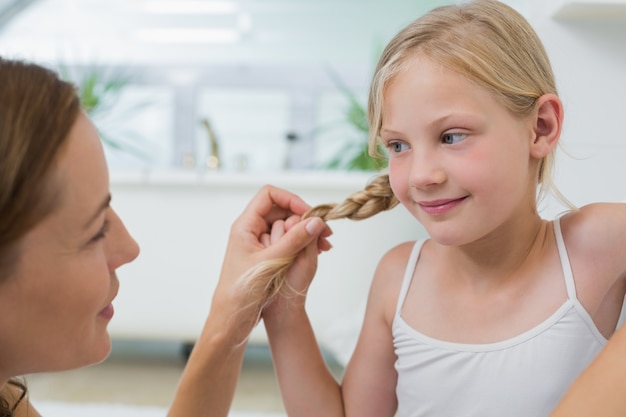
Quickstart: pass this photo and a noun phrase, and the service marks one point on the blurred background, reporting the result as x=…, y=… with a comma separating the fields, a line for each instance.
x=268, y=75
x=278, y=83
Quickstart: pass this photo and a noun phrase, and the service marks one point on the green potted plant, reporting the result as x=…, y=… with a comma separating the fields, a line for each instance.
x=354, y=155
x=99, y=90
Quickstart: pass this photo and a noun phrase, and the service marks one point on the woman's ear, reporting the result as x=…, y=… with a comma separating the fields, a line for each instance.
x=548, y=122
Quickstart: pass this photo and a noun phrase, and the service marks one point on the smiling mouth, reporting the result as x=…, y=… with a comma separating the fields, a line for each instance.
x=435, y=207
x=107, y=312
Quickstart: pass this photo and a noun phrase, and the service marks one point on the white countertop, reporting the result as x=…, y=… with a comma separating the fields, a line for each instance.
x=286, y=179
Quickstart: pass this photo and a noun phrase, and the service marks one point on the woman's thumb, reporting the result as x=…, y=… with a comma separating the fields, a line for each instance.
x=298, y=237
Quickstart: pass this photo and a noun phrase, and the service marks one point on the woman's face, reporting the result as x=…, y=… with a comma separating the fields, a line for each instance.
x=55, y=307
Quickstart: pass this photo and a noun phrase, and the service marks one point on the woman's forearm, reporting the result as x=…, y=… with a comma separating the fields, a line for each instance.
x=600, y=389
x=207, y=386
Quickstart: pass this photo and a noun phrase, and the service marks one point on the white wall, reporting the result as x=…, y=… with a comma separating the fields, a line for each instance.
x=280, y=31
x=182, y=223
x=588, y=55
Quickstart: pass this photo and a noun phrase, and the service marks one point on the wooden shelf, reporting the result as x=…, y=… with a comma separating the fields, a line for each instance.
x=592, y=9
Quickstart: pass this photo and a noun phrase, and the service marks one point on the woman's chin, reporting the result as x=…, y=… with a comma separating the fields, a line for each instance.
x=98, y=353
x=104, y=350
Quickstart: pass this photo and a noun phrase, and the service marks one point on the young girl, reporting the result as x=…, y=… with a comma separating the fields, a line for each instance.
x=499, y=310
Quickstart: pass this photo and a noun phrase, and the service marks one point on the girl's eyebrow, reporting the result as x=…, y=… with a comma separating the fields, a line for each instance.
x=387, y=130
x=462, y=116
x=104, y=205
x=454, y=116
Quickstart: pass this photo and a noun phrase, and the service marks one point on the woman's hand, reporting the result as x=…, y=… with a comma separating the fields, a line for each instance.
x=300, y=273
x=240, y=296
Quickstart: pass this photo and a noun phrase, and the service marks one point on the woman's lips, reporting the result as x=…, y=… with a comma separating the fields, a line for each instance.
x=437, y=207
x=107, y=312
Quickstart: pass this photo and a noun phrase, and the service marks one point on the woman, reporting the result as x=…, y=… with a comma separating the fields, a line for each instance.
x=61, y=243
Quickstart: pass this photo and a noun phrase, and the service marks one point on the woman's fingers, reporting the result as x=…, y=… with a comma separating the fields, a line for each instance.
x=291, y=242
x=278, y=231
x=265, y=240
x=271, y=204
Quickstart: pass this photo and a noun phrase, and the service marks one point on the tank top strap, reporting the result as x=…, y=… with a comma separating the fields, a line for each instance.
x=408, y=273
x=565, y=264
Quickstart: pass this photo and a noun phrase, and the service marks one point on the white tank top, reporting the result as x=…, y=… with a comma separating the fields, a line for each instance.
x=522, y=376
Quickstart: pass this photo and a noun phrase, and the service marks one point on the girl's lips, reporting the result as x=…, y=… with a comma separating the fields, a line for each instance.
x=436, y=207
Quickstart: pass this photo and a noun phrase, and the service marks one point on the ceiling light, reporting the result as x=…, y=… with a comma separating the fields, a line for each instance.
x=191, y=7
x=186, y=35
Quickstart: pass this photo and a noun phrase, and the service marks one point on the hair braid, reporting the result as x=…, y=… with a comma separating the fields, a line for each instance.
x=377, y=196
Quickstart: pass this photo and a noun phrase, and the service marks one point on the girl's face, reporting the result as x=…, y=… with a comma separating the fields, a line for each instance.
x=458, y=159
x=55, y=308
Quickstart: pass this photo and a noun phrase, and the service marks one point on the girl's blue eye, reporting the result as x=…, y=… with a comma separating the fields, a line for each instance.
x=397, y=147
x=452, y=138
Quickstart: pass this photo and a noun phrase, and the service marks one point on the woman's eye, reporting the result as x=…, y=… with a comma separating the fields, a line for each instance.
x=102, y=232
x=452, y=138
x=397, y=147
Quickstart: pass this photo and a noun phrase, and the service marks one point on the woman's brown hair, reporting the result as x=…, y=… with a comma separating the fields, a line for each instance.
x=37, y=111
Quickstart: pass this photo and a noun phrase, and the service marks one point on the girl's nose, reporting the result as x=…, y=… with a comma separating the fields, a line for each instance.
x=426, y=171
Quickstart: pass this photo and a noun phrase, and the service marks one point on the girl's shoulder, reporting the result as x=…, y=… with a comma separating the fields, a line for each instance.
x=595, y=240
x=394, y=261
x=597, y=223
x=596, y=231
x=388, y=277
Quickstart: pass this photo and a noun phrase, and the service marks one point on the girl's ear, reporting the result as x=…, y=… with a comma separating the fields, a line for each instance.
x=548, y=122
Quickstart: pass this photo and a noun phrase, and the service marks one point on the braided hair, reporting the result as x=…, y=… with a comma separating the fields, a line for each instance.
x=377, y=196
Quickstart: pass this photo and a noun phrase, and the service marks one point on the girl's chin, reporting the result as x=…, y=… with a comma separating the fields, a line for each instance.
x=447, y=237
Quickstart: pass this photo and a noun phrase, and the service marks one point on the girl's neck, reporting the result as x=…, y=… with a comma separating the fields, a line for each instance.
x=503, y=252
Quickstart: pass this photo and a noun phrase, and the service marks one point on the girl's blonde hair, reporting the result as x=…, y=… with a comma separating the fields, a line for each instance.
x=484, y=40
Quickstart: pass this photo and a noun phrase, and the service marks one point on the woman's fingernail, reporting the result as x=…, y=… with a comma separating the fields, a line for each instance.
x=314, y=226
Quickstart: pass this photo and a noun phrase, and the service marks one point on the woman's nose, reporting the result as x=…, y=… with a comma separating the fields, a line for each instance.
x=122, y=247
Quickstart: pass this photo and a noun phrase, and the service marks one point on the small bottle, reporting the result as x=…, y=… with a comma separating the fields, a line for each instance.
x=291, y=154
